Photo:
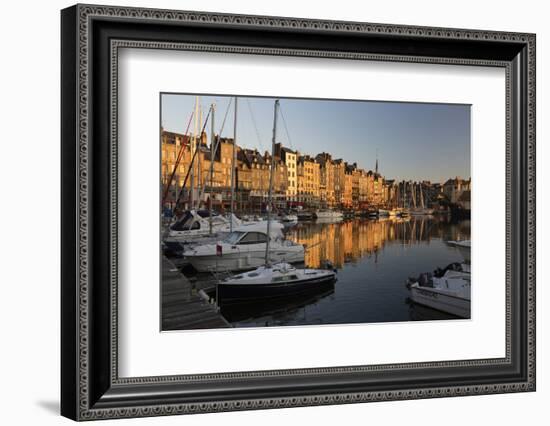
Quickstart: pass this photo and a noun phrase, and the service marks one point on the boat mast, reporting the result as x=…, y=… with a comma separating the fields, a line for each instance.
x=199, y=145
x=193, y=149
x=397, y=198
x=179, y=156
x=233, y=166
x=269, y=196
x=212, y=137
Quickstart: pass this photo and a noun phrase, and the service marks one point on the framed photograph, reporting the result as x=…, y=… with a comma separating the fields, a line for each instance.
x=263, y=212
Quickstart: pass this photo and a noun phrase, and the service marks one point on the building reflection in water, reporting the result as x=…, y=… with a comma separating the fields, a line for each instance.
x=349, y=241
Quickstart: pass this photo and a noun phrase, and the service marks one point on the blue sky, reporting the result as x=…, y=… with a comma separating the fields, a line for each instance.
x=413, y=140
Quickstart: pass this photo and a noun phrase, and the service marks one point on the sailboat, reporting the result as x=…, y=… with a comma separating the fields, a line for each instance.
x=403, y=211
x=329, y=215
x=421, y=210
x=204, y=225
x=272, y=280
x=244, y=246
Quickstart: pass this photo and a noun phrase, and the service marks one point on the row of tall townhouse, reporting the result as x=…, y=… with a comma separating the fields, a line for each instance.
x=309, y=180
x=298, y=178
x=252, y=169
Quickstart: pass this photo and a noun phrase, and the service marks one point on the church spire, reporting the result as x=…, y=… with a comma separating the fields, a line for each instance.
x=376, y=167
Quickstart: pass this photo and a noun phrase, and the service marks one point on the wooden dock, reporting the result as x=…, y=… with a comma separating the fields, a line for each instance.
x=182, y=307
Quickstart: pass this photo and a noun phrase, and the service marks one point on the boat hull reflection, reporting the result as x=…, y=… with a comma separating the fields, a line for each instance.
x=425, y=313
x=248, y=293
x=271, y=308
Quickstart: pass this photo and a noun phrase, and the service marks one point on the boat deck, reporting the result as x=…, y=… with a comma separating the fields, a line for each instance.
x=182, y=307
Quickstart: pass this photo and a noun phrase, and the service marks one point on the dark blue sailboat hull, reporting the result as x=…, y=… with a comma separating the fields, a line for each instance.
x=249, y=293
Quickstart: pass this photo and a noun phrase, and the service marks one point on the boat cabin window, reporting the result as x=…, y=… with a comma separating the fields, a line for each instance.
x=283, y=278
x=206, y=214
x=233, y=237
x=190, y=224
x=183, y=223
x=253, y=238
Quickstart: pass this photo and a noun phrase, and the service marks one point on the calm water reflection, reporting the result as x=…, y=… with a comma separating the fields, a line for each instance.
x=373, y=258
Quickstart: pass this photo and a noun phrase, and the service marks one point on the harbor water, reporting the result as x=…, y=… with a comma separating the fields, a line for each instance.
x=373, y=258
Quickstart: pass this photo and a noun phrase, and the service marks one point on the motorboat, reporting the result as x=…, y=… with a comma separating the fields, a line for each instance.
x=304, y=215
x=195, y=224
x=194, y=227
x=329, y=215
x=446, y=290
x=464, y=248
x=289, y=218
x=245, y=248
x=271, y=282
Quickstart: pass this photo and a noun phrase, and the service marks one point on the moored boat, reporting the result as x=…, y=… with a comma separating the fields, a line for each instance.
x=245, y=248
x=195, y=224
x=304, y=215
x=289, y=218
x=447, y=290
x=272, y=282
x=420, y=210
x=464, y=248
x=329, y=215
x=275, y=279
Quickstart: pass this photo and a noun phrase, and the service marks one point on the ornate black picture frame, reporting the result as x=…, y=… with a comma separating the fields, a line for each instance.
x=91, y=36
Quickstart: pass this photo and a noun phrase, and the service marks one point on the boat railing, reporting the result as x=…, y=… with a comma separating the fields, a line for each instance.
x=219, y=274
